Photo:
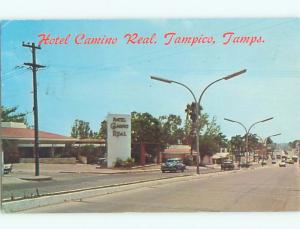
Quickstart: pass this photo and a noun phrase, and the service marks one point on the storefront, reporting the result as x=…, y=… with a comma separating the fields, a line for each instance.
x=218, y=158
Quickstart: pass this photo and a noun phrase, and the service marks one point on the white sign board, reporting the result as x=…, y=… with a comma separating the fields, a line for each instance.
x=118, y=138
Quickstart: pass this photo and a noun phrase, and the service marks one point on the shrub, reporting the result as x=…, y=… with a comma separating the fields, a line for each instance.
x=119, y=163
x=129, y=162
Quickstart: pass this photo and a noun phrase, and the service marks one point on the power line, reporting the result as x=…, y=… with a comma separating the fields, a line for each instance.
x=18, y=73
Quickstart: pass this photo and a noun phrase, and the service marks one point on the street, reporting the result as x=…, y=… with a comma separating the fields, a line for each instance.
x=269, y=188
x=14, y=187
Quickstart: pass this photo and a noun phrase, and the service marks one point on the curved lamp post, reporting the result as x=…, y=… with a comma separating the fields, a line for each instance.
x=198, y=102
x=247, y=130
x=264, y=140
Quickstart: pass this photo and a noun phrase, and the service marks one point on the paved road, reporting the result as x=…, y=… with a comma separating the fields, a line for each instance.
x=262, y=189
x=67, y=181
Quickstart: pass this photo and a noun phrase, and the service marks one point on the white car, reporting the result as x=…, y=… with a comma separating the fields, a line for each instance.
x=282, y=164
x=7, y=168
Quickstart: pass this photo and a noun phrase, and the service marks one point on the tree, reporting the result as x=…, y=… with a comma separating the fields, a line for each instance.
x=294, y=144
x=210, y=137
x=145, y=129
x=269, y=141
x=236, y=143
x=253, y=142
x=221, y=140
x=209, y=127
x=10, y=114
x=189, y=126
x=208, y=145
x=81, y=129
x=103, y=130
x=172, y=133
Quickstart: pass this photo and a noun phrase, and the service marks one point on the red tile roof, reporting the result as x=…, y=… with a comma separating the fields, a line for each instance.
x=24, y=133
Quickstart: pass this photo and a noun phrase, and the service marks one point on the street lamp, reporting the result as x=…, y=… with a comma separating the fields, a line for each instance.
x=198, y=102
x=247, y=131
x=264, y=140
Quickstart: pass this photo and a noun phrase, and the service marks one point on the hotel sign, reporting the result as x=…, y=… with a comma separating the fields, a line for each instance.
x=119, y=127
x=118, y=137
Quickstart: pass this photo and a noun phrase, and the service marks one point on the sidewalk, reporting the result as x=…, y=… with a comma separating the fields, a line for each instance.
x=79, y=168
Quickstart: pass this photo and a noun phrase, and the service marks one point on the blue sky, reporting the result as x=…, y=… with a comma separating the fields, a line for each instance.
x=88, y=81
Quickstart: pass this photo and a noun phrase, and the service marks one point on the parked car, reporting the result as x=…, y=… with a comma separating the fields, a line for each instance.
x=7, y=168
x=289, y=161
x=282, y=164
x=295, y=158
x=273, y=161
x=173, y=165
x=263, y=162
x=227, y=165
x=245, y=164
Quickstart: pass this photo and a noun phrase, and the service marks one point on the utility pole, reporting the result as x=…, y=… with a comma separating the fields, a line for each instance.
x=34, y=67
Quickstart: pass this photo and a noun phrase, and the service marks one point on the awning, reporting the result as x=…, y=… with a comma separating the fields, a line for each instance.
x=220, y=155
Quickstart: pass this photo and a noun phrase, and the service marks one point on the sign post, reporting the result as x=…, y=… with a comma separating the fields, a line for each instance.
x=118, y=138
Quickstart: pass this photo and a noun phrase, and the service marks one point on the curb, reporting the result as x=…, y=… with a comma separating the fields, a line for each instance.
x=36, y=178
x=78, y=194
x=113, y=173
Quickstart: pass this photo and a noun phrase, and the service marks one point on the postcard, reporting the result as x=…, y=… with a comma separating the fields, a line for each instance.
x=150, y=115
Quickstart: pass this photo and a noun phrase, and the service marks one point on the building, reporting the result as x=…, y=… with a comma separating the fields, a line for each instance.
x=218, y=158
x=18, y=143
x=183, y=151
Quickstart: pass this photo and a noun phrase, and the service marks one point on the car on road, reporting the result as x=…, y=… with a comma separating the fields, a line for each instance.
x=227, y=165
x=263, y=162
x=245, y=164
x=282, y=164
x=173, y=165
x=289, y=161
x=295, y=158
x=7, y=168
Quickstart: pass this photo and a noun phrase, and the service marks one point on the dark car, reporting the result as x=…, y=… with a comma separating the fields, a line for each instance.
x=173, y=165
x=227, y=165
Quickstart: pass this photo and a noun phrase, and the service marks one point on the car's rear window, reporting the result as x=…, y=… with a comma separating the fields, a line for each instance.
x=173, y=160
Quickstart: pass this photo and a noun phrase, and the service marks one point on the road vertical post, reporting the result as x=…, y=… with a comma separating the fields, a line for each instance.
x=34, y=67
